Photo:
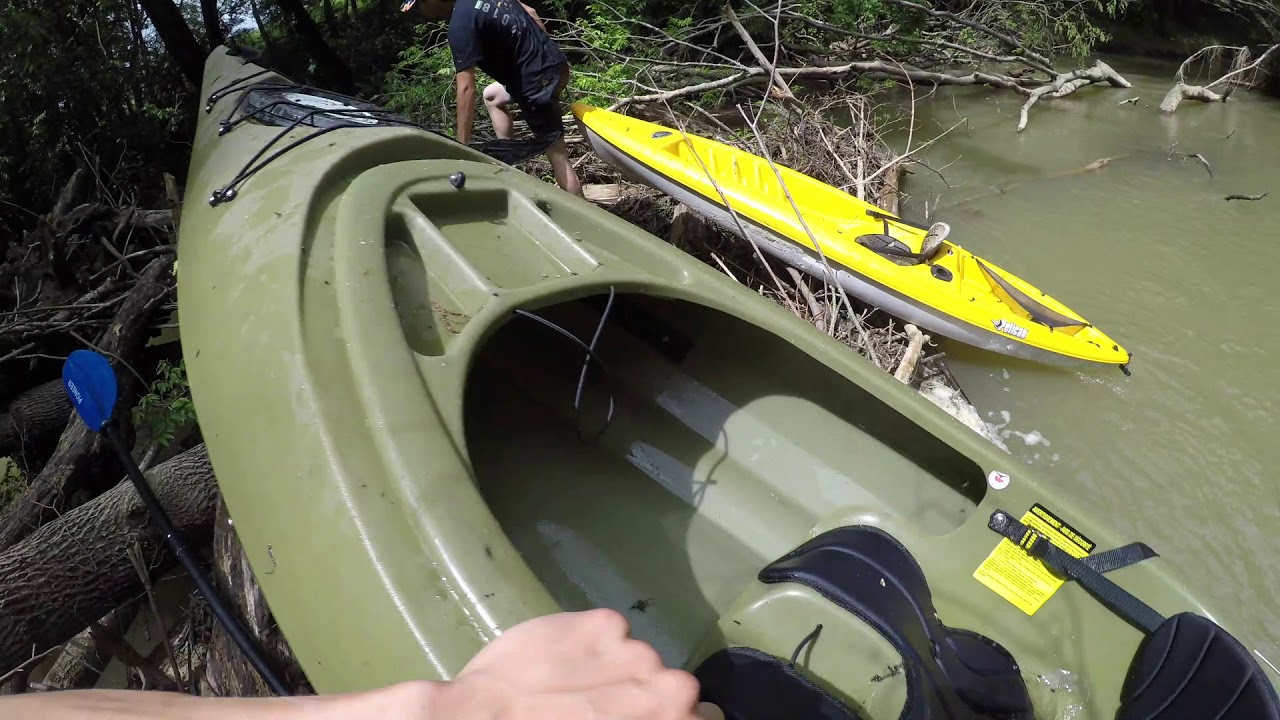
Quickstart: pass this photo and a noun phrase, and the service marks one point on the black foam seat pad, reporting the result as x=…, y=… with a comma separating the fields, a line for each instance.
x=1192, y=668
x=751, y=685
x=890, y=247
x=951, y=673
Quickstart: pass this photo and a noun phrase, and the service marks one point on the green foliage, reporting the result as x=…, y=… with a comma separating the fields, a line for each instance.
x=12, y=483
x=420, y=85
x=167, y=407
x=1060, y=28
x=84, y=83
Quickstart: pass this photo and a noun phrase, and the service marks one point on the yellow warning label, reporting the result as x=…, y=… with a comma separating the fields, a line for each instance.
x=1021, y=579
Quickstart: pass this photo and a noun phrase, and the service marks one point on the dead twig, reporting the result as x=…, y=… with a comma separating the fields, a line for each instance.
x=135, y=557
x=1259, y=196
x=28, y=664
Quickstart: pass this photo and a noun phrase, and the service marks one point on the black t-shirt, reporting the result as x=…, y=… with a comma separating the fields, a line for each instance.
x=501, y=38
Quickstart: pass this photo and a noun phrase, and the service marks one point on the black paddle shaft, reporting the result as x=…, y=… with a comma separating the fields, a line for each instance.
x=180, y=548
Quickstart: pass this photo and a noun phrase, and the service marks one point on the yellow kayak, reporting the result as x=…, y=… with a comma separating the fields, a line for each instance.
x=878, y=257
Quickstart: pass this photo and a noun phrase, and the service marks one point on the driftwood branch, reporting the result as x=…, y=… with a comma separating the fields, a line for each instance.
x=1063, y=84
x=915, y=345
x=1067, y=83
x=1259, y=196
x=80, y=451
x=816, y=309
x=784, y=90
x=71, y=572
x=1180, y=92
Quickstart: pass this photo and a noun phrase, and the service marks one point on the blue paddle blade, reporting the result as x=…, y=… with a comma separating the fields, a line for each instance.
x=91, y=385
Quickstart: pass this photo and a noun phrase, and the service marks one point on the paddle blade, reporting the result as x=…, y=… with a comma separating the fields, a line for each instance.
x=91, y=385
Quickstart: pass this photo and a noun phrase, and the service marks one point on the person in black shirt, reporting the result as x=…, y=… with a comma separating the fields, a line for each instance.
x=507, y=40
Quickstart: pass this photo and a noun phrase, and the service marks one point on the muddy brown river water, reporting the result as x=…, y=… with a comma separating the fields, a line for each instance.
x=1183, y=454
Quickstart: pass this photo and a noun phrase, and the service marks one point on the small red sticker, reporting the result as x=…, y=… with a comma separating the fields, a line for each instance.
x=998, y=480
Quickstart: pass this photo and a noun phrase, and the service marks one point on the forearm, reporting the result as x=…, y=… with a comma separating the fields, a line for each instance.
x=407, y=700
x=466, y=114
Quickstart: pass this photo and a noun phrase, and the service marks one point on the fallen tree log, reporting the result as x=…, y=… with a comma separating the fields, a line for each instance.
x=1180, y=92
x=228, y=672
x=31, y=422
x=80, y=452
x=1244, y=73
x=1067, y=83
x=71, y=572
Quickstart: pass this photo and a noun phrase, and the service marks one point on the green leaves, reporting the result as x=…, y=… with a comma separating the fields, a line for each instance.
x=12, y=483
x=420, y=85
x=167, y=407
x=84, y=83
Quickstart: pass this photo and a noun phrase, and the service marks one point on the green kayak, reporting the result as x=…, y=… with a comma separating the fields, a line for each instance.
x=443, y=397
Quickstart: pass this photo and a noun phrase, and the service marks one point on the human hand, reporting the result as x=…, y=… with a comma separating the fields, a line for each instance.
x=570, y=666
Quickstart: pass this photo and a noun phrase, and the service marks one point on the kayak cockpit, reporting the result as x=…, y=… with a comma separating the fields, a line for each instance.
x=724, y=447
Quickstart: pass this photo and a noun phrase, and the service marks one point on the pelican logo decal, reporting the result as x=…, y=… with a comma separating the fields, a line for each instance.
x=1009, y=328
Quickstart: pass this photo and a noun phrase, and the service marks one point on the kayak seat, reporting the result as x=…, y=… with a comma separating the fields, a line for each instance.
x=898, y=251
x=950, y=673
x=748, y=684
x=891, y=248
x=1192, y=668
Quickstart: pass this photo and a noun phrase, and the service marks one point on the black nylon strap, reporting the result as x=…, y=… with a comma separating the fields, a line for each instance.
x=1114, y=597
x=1116, y=558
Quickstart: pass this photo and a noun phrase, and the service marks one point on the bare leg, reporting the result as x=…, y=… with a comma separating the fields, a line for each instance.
x=496, y=100
x=566, y=176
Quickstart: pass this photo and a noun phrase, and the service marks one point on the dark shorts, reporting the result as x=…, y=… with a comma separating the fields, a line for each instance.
x=541, y=105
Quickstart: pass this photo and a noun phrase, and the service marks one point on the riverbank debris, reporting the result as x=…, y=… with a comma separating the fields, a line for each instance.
x=1235, y=196
x=1245, y=71
x=1131, y=101
x=1188, y=156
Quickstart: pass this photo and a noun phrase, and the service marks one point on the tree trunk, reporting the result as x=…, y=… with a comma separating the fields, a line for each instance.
x=262, y=28
x=139, y=52
x=74, y=570
x=212, y=23
x=1181, y=92
x=80, y=451
x=329, y=66
x=228, y=672
x=32, y=423
x=177, y=37
x=330, y=15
